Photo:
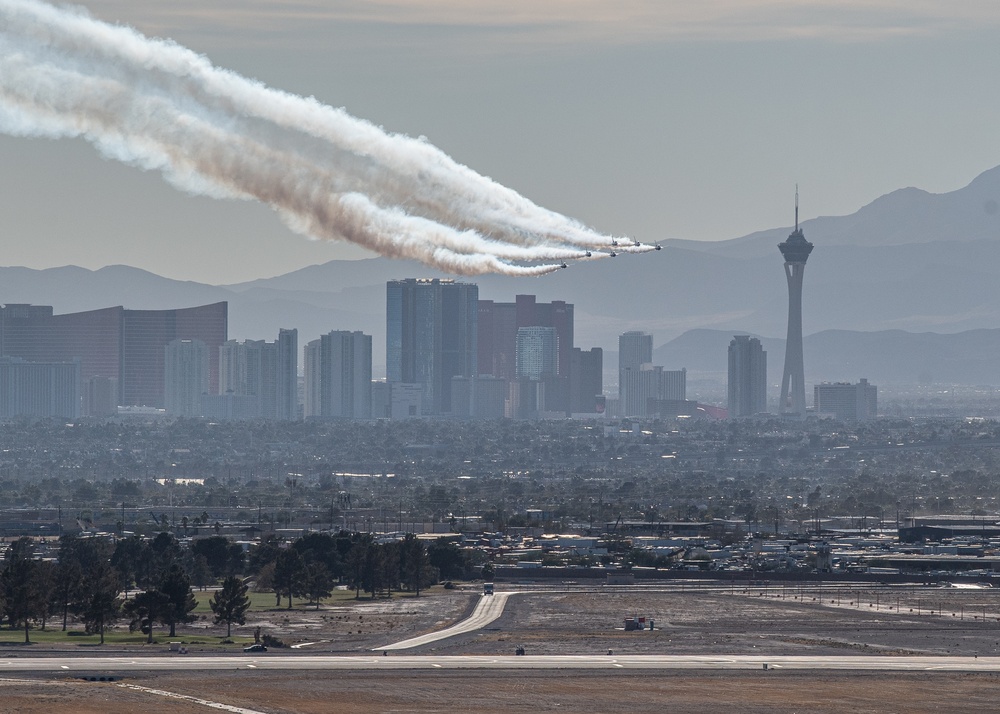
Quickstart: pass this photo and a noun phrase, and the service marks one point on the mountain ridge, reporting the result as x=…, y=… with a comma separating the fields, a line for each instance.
x=944, y=280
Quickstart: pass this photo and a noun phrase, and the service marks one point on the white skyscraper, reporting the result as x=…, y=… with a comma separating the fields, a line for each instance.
x=185, y=376
x=265, y=372
x=635, y=349
x=847, y=402
x=338, y=376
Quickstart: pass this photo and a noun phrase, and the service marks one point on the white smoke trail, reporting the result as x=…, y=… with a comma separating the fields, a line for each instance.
x=159, y=106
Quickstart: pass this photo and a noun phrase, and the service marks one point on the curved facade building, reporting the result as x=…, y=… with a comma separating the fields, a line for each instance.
x=126, y=346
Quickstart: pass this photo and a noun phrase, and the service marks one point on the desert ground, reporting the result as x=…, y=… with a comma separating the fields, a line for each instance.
x=566, y=618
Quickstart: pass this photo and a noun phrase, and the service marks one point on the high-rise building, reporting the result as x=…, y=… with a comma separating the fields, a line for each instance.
x=796, y=250
x=146, y=332
x=346, y=368
x=673, y=384
x=287, y=375
x=650, y=382
x=498, y=326
x=635, y=349
x=431, y=336
x=537, y=360
x=186, y=366
x=114, y=343
x=230, y=407
x=586, y=377
x=480, y=397
x=537, y=353
x=312, y=393
x=396, y=400
x=39, y=389
x=265, y=371
x=747, y=377
x=100, y=397
x=338, y=376
x=489, y=397
x=845, y=401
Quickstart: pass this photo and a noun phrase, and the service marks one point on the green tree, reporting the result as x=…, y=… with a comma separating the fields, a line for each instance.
x=78, y=557
x=413, y=563
x=164, y=552
x=45, y=586
x=446, y=557
x=288, y=570
x=357, y=559
x=145, y=610
x=176, y=586
x=69, y=578
x=25, y=599
x=223, y=558
x=201, y=573
x=230, y=603
x=316, y=583
x=388, y=567
x=99, y=605
x=366, y=565
x=130, y=559
x=266, y=552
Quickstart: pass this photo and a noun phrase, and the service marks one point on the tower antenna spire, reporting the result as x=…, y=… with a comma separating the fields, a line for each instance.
x=796, y=206
x=795, y=251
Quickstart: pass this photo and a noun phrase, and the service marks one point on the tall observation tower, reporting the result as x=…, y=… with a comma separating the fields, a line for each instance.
x=796, y=250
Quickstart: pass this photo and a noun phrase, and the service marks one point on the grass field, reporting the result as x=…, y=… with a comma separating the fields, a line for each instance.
x=262, y=604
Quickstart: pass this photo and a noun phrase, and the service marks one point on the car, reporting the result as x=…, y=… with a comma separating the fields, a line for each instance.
x=255, y=648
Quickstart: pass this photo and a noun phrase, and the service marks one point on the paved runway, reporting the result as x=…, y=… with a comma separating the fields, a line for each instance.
x=86, y=665
x=488, y=609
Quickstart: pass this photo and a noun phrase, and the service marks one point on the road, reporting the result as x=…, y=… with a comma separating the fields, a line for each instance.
x=88, y=665
x=488, y=609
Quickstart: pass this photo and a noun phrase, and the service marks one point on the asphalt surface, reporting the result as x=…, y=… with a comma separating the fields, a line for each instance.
x=488, y=609
x=122, y=665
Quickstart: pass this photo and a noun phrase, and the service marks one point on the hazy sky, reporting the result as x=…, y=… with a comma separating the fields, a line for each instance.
x=652, y=118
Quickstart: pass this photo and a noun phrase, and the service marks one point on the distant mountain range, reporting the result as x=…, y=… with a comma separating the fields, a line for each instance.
x=909, y=262
x=883, y=357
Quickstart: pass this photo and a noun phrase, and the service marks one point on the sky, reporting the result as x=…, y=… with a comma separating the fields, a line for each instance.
x=656, y=119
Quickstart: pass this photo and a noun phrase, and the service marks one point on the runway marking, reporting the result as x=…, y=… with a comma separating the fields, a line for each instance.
x=118, y=666
x=185, y=697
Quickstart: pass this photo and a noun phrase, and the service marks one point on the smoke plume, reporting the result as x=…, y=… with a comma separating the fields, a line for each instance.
x=158, y=106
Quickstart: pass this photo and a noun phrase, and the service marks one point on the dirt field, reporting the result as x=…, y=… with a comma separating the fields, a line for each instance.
x=359, y=626
x=719, y=620
x=492, y=693
x=690, y=620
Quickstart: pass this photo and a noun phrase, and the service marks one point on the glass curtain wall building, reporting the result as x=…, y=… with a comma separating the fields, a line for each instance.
x=431, y=336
